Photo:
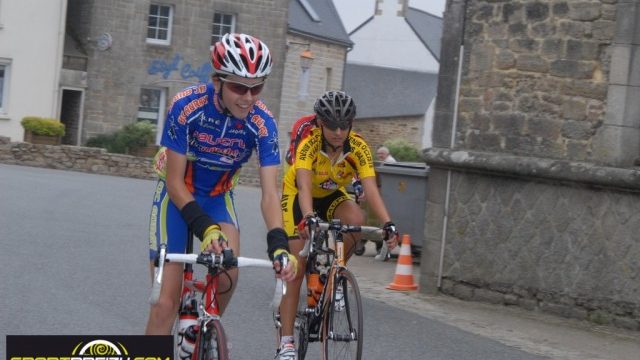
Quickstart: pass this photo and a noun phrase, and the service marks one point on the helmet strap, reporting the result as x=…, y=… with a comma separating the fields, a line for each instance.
x=225, y=109
x=326, y=144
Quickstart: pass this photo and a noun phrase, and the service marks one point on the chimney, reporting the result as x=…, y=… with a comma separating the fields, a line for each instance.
x=391, y=7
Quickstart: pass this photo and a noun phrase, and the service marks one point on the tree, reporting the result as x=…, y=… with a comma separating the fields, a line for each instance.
x=402, y=150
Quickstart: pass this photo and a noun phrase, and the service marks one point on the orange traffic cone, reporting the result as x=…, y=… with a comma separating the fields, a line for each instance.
x=403, y=279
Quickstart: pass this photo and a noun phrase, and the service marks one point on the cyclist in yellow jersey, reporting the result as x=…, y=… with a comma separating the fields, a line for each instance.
x=325, y=161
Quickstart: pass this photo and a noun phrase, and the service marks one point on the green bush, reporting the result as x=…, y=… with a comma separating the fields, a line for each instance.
x=402, y=150
x=43, y=126
x=127, y=140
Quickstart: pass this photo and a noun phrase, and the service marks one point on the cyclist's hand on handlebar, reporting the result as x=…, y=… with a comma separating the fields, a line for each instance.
x=390, y=234
x=310, y=220
x=277, y=248
x=214, y=240
x=289, y=272
x=358, y=191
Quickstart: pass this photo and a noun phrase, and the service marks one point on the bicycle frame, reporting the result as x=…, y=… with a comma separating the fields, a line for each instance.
x=208, y=311
x=315, y=322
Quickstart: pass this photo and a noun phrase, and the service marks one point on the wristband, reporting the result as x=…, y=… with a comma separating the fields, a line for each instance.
x=276, y=239
x=197, y=220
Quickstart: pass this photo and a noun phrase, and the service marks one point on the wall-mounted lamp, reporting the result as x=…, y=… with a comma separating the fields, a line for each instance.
x=306, y=57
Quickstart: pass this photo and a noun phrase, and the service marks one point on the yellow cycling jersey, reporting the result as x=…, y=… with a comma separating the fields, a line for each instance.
x=327, y=177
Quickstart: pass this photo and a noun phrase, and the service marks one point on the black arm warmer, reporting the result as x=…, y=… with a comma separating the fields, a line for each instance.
x=276, y=239
x=196, y=218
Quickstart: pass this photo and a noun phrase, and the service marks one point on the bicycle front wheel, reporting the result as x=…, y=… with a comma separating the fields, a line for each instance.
x=212, y=342
x=301, y=333
x=342, y=325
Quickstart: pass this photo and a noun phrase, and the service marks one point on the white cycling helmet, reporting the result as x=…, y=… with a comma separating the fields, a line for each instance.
x=242, y=55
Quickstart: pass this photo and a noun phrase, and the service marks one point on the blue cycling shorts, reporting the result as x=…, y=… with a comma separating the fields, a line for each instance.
x=166, y=225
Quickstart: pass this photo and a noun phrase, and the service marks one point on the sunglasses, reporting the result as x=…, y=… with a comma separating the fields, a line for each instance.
x=239, y=88
x=333, y=127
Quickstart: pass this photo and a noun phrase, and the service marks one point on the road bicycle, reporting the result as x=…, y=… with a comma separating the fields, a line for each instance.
x=333, y=311
x=198, y=331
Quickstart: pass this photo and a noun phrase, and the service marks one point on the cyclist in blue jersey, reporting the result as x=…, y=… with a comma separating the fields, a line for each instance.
x=210, y=131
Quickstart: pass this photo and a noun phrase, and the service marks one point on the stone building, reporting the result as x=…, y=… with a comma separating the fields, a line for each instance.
x=533, y=194
x=137, y=55
x=122, y=61
x=315, y=27
x=314, y=60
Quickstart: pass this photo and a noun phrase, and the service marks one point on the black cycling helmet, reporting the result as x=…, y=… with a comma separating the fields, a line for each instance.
x=336, y=109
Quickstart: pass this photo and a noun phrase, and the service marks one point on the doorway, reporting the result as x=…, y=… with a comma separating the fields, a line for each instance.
x=71, y=115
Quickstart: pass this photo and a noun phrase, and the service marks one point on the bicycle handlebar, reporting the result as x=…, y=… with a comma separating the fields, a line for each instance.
x=344, y=228
x=335, y=225
x=225, y=260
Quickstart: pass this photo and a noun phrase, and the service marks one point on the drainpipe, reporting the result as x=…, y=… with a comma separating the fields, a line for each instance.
x=445, y=220
x=454, y=126
x=62, y=20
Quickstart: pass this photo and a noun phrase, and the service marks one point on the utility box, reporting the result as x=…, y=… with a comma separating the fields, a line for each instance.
x=404, y=190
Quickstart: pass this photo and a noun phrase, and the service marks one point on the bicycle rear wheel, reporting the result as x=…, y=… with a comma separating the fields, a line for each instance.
x=212, y=343
x=342, y=325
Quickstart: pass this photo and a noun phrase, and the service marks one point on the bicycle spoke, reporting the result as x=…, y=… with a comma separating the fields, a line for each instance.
x=342, y=327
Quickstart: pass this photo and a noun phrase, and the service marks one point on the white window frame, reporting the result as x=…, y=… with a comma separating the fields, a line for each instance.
x=157, y=41
x=231, y=26
x=162, y=101
x=1, y=17
x=4, y=84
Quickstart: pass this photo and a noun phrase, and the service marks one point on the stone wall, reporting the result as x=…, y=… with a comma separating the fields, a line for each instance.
x=89, y=160
x=377, y=131
x=76, y=158
x=534, y=200
x=535, y=77
x=552, y=235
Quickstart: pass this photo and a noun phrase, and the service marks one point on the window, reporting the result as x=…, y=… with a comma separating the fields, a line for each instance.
x=151, y=108
x=4, y=85
x=222, y=24
x=303, y=91
x=159, y=28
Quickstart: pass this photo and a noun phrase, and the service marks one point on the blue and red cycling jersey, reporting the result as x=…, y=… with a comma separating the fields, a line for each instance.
x=215, y=142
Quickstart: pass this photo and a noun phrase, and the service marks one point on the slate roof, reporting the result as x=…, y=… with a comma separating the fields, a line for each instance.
x=329, y=27
x=387, y=92
x=428, y=28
